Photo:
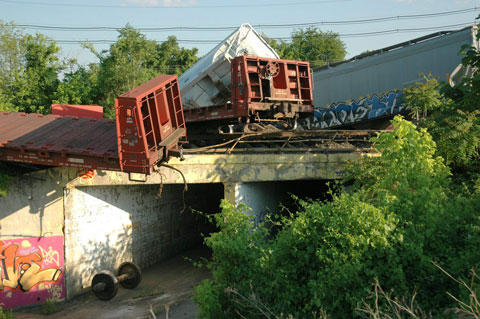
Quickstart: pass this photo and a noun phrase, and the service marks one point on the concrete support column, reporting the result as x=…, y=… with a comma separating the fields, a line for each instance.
x=261, y=197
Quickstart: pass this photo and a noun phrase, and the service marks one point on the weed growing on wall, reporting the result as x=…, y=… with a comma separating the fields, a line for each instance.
x=400, y=214
x=4, y=181
x=6, y=313
x=50, y=307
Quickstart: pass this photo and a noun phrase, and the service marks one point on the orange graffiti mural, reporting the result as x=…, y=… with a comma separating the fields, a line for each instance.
x=24, y=271
x=85, y=173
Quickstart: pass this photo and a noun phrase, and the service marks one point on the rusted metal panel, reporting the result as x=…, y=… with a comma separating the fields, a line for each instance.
x=283, y=87
x=58, y=141
x=215, y=112
x=271, y=88
x=150, y=122
x=88, y=111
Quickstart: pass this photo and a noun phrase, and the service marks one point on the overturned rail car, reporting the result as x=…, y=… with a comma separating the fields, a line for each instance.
x=148, y=129
x=150, y=124
x=208, y=81
x=262, y=89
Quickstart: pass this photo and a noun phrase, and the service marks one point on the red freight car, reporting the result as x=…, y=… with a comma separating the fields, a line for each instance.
x=150, y=123
x=55, y=140
x=148, y=128
x=263, y=89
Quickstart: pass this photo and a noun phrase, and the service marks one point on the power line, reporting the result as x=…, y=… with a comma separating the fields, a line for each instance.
x=186, y=6
x=259, y=26
x=344, y=35
x=404, y=30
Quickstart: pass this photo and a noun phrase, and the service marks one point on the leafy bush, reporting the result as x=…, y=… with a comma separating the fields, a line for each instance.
x=238, y=258
x=403, y=211
x=399, y=216
x=456, y=123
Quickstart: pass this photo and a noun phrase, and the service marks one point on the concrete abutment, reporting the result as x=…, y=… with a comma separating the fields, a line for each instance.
x=66, y=224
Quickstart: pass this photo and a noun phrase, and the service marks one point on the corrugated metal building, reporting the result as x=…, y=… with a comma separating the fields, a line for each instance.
x=391, y=68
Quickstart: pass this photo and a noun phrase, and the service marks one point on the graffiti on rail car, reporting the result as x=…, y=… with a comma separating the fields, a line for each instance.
x=346, y=113
x=31, y=271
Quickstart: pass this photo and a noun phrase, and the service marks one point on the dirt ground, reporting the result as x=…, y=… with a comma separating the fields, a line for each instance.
x=166, y=289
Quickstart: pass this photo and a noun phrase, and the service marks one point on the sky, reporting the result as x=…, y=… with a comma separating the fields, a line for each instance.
x=214, y=20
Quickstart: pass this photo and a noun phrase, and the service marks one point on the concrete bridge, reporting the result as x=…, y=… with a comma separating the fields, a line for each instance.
x=82, y=221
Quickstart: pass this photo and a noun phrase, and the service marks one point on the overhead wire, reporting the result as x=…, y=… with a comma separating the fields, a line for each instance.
x=259, y=26
x=181, y=6
x=341, y=35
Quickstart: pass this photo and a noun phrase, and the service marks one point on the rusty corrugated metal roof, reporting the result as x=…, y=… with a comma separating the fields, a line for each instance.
x=52, y=133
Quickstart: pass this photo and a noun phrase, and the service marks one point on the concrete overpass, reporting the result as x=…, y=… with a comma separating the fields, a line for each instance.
x=96, y=219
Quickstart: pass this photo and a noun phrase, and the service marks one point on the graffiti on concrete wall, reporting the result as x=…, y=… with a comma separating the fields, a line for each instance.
x=373, y=107
x=85, y=173
x=31, y=271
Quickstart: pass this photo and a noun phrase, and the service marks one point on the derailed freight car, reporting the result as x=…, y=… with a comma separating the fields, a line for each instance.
x=262, y=90
x=148, y=129
x=243, y=80
x=207, y=82
x=393, y=68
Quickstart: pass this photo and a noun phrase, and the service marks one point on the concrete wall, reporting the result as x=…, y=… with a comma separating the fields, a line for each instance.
x=261, y=198
x=107, y=225
x=109, y=219
x=31, y=233
x=271, y=197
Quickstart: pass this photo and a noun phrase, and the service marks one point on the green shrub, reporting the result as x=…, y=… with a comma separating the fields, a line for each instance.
x=399, y=216
x=239, y=257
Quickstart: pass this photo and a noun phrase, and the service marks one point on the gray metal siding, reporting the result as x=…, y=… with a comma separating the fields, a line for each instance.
x=391, y=70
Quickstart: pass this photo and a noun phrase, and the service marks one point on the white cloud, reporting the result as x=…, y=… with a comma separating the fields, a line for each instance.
x=164, y=3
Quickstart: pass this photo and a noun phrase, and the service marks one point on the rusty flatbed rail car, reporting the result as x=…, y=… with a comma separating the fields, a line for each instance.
x=58, y=141
x=147, y=130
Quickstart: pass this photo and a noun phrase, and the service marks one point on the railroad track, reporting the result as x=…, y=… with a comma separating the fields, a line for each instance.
x=312, y=141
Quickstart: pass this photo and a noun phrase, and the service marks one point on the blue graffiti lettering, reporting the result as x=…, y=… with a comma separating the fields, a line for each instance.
x=342, y=113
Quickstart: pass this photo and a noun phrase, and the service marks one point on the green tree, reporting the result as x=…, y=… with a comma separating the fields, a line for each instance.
x=28, y=72
x=78, y=85
x=456, y=124
x=133, y=60
x=38, y=82
x=313, y=45
x=128, y=63
x=10, y=62
x=453, y=120
x=423, y=97
x=174, y=59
